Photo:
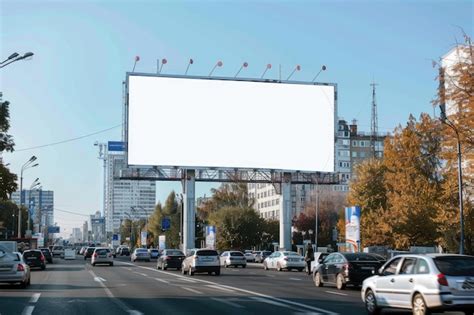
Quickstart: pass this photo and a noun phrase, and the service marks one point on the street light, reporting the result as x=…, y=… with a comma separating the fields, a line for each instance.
x=25, y=166
x=15, y=57
x=34, y=185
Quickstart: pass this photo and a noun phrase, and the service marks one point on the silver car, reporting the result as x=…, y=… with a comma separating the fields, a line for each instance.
x=13, y=269
x=233, y=258
x=140, y=254
x=284, y=260
x=102, y=255
x=422, y=283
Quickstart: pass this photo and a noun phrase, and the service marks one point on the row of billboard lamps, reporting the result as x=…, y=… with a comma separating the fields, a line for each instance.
x=220, y=64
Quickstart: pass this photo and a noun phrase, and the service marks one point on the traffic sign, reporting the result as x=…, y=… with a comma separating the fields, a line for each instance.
x=165, y=223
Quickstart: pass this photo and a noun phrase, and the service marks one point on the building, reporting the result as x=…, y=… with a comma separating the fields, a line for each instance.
x=40, y=204
x=352, y=147
x=76, y=236
x=98, y=228
x=85, y=231
x=125, y=198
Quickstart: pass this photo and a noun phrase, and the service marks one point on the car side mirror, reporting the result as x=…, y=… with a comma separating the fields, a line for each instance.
x=379, y=272
x=320, y=260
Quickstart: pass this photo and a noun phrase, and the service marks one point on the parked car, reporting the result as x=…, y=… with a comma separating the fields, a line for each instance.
x=233, y=258
x=154, y=253
x=170, y=258
x=88, y=252
x=261, y=255
x=201, y=260
x=140, y=254
x=13, y=269
x=284, y=260
x=124, y=251
x=34, y=258
x=249, y=257
x=102, y=255
x=318, y=258
x=422, y=283
x=47, y=254
x=344, y=269
x=58, y=250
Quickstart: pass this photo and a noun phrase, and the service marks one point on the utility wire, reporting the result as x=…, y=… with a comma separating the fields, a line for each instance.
x=68, y=140
x=71, y=212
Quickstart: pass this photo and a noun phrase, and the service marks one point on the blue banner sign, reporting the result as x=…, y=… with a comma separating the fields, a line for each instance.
x=165, y=224
x=116, y=146
x=53, y=229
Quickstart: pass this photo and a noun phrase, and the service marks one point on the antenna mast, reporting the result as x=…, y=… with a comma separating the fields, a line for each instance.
x=373, y=122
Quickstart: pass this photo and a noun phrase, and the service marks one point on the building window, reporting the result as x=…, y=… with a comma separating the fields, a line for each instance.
x=354, y=154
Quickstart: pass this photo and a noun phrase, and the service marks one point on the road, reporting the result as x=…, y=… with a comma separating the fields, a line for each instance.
x=75, y=287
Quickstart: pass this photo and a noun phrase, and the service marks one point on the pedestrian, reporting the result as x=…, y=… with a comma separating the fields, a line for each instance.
x=308, y=257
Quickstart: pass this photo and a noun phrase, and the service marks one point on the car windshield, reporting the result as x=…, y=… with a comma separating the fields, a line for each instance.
x=174, y=253
x=6, y=257
x=236, y=254
x=32, y=254
x=102, y=251
x=290, y=254
x=207, y=253
x=455, y=265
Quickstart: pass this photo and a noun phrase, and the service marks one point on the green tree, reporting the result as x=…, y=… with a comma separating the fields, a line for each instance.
x=9, y=218
x=7, y=179
x=170, y=211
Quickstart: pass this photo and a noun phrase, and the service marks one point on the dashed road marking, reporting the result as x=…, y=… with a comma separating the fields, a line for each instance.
x=161, y=280
x=228, y=302
x=296, y=279
x=28, y=310
x=35, y=298
x=219, y=288
x=192, y=290
x=337, y=293
x=188, y=280
x=99, y=279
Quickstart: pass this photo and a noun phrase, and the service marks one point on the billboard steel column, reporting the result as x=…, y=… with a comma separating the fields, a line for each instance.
x=189, y=214
x=285, y=215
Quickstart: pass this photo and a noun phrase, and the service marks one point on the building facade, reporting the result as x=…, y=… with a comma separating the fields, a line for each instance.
x=98, y=228
x=76, y=236
x=85, y=231
x=40, y=203
x=125, y=199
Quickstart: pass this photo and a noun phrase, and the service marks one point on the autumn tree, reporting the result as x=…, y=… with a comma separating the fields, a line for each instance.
x=169, y=210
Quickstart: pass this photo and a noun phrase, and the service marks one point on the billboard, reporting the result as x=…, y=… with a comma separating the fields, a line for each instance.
x=143, y=237
x=53, y=229
x=353, y=228
x=227, y=123
x=210, y=236
x=162, y=242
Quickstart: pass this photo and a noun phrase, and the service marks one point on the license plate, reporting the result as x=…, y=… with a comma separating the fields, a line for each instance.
x=31, y=258
x=367, y=268
x=207, y=259
x=103, y=256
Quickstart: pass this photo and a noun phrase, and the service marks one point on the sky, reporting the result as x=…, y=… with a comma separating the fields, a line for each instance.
x=72, y=87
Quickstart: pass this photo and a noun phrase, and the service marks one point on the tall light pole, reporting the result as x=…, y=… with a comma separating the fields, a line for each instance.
x=27, y=165
x=34, y=185
x=15, y=57
x=450, y=124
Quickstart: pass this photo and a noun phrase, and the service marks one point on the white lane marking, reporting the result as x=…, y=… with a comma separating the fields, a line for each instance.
x=35, y=298
x=296, y=279
x=28, y=310
x=317, y=309
x=99, y=279
x=188, y=280
x=262, y=300
x=142, y=274
x=191, y=290
x=273, y=276
x=161, y=280
x=219, y=288
x=119, y=303
x=332, y=292
x=228, y=302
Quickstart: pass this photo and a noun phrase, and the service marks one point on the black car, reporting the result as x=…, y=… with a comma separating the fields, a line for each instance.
x=124, y=251
x=88, y=252
x=344, y=269
x=170, y=258
x=34, y=258
x=47, y=255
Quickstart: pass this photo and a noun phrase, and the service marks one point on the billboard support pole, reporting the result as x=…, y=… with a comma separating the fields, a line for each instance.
x=285, y=215
x=189, y=213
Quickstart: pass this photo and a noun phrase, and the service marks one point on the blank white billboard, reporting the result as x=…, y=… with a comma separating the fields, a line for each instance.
x=195, y=123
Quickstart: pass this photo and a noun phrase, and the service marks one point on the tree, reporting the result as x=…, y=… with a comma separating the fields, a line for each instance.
x=170, y=211
x=7, y=179
x=9, y=217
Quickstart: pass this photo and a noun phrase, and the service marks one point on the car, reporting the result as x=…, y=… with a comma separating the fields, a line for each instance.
x=261, y=255
x=34, y=258
x=102, y=255
x=13, y=269
x=47, y=254
x=140, y=254
x=344, y=269
x=422, y=283
x=233, y=258
x=58, y=250
x=284, y=260
x=154, y=253
x=81, y=251
x=200, y=261
x=249, y=257
x=88, y=252
x=170, y=258
x=124, y=251
x=318, y=258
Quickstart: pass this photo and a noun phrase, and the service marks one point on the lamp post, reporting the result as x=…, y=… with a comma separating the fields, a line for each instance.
x=34, y=185
x=15, y=57
x=27, y=165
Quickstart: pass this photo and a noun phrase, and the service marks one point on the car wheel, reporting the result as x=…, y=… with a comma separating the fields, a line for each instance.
x=163, y=267
x=265, y=267
x=183, y=271
x=111, y=263
x=243, y=266
x=225, y=265
x=279, y=267
x=468, y=311
x=43, y=267
x=317, y=280
x=419, y=306
x=340, y=282
x=300, y=269
x=371, y=303
x=217, y=273
x=93, y=265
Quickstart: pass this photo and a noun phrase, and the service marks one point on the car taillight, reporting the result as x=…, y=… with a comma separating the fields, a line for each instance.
x=286, y=258
x=20, y=267
x=42, y=258
x=95, y=255
x=442, y=280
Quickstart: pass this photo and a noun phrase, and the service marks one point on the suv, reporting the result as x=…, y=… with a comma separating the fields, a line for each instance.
x=201, y=260
x=34, y=258
x=422, y=283
x=233, y=258
x=102, y=255
x=58, y=250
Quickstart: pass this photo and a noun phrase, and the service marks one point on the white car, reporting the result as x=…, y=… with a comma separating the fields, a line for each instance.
x=233, y=258
x=140, y=254
x=201, y=260
x=318, y=258
x=422, y=283
x=249, y=257
x=284, y=260
x=102, y=255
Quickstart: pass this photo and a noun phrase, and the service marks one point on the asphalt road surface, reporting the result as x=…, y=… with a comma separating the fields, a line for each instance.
x=75, y=287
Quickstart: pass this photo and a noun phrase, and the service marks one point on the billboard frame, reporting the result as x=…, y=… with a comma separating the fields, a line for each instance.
x=159, y=170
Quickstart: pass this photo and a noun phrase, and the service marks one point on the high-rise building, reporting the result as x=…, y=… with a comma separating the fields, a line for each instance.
x=98, y=228
x=76, y=235
x=125, y=199
x=85, y=231
x=40, y=203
